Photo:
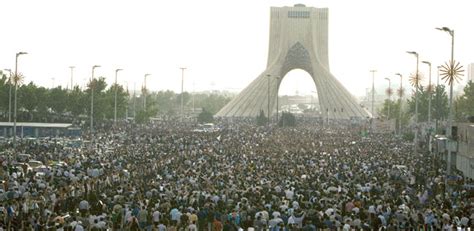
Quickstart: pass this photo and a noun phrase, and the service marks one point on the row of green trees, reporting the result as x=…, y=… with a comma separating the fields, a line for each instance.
x=463, y=105
x=36, y=103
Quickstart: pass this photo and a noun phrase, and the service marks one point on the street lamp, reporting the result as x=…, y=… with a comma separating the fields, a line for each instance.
x=15, y=81
x=9, y=95
x=92, y=100
x=115, y=96
x=450, y=115
x=144, y=91
x=400, y=105
x=182, y=92
x=373, y=91
x=416, y=83
x=72, y=73
x=437, y=78
x=389, y=93
x=429, y=92
x=430, y=89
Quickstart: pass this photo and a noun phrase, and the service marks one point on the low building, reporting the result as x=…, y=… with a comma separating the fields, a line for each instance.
x=39, y=129
x=464, y=158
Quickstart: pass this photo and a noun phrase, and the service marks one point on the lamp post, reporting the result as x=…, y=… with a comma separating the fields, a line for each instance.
x=400, y=105
x=416, y=84
x=115, y=96
x=429, y=104
x=72, y=74
x=429, y=92
x=144, y=91
x=450, y=115
x=9, y=95
x=92, y=100
x=15, y=81
x=389, y=93
x=373, y=91
x=437, y=97
x=182, y=91
x=437, y=78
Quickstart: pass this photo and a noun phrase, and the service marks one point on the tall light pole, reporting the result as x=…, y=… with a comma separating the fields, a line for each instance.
x=144, y=91
x=437, y=78
x=450, y=115
x=437, y=98
x=429, y=92
x=115, y=95
x=429, y=103
x=9, y=95
x=416, y=83
x=72, y=74
x=182, y=92
x=389, y=93
x=373, y=91
x=400, y=105
x=15, y=81
x=92, y=100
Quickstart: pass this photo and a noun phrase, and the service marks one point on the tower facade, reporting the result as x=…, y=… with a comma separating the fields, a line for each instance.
x=298, y=40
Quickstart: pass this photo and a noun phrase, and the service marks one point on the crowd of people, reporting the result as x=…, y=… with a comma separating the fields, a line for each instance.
x=167, y=177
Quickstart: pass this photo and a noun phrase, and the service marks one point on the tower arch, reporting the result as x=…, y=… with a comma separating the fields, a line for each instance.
x=298, y=40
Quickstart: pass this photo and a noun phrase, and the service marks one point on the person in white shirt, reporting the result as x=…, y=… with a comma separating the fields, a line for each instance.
x=156, y=217
x=192, y=227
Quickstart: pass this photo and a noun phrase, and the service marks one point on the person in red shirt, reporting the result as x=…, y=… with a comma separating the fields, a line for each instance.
x=217, y=225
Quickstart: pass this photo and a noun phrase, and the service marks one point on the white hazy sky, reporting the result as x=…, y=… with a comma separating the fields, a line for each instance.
x=223, y=43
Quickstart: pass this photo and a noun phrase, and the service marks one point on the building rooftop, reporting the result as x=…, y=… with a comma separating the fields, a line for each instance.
x=37, y=125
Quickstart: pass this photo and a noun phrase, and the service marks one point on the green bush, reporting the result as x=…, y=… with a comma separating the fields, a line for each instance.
x=205, y=117
x=287, y=120
x=409, y=136
x=262, y=119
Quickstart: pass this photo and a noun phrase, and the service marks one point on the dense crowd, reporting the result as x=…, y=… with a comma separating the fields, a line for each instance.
x=166, y=177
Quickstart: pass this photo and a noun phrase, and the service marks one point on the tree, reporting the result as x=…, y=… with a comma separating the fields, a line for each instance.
x=100, y=103
x=287, y=120
x=42, y=106
x=164, y=102
x=77, y=102
x=261, y=119
x=109, y=98
x=212, y=102
x=58, y=100
x=4, y=91
x=394, y=109
x=205, y=117
x=27, y=95
x=394, y=112
x=185, y=96
x=439, y=104
x=464, y=105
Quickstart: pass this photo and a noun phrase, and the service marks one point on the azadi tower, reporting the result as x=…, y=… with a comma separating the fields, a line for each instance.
x=298, y=39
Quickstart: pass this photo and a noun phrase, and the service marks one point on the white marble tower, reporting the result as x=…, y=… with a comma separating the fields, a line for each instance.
x=298, y=40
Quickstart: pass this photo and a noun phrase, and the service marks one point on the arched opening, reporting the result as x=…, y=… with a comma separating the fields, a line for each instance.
x=297, y=93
